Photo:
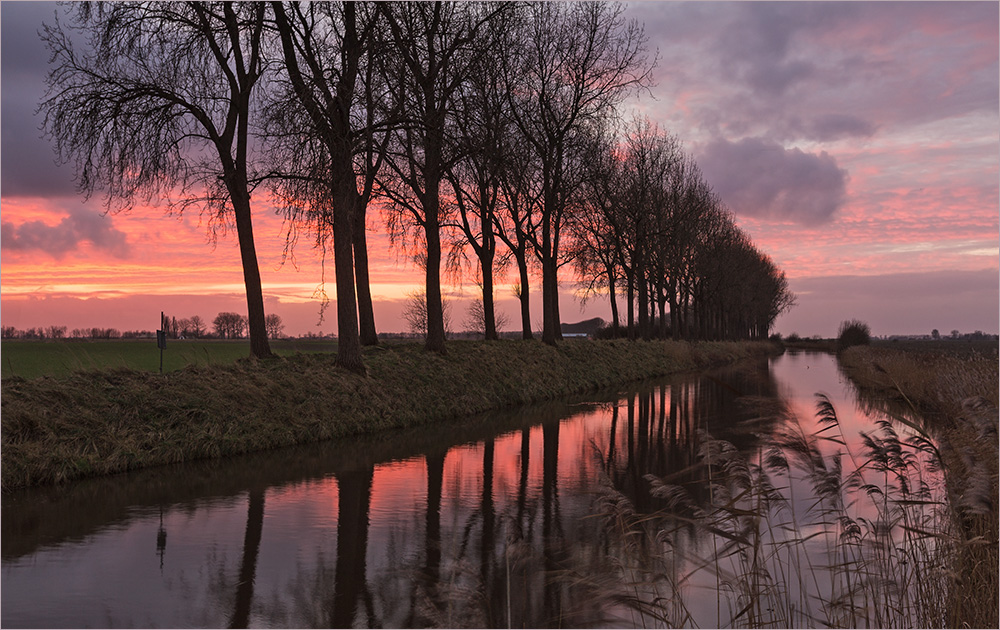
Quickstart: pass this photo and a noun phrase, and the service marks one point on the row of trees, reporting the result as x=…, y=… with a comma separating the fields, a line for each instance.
x=41, y=332
x=226, y=325
x=481, y=127
x=188, y=327
x=649, y=226
x=60, y=332
x=229, y=325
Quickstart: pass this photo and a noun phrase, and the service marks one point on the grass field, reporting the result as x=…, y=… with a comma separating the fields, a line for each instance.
x=31, y=359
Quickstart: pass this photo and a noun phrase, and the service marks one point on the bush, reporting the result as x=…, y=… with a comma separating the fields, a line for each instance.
x=609, y=331
x=853, y=332
x=793, y=338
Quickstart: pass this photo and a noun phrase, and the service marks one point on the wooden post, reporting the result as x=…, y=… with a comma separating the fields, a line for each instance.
x=161, y=340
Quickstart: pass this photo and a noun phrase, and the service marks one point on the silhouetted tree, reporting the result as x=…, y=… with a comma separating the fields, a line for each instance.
x=160, y=105
x=436, y=46
x=197, y=326
x=274, y=325
x=476, y=319
x=229, y=325
x=415, y=313
x=578, y=60
x=484, y=124
x=598, y=239
x=512, y=220
x=331, y=145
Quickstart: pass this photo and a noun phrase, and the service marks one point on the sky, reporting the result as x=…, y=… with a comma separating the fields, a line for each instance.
x=857, y=143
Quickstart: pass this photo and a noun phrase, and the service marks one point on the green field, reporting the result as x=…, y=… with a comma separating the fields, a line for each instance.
x=31, y=359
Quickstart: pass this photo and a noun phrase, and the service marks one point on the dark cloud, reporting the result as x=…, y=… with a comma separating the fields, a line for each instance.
x=57, y=240
x=21, y=45
x=763, y=179
x=826, y=127
x=823, y=71
x=758, y=43
x=27, y=161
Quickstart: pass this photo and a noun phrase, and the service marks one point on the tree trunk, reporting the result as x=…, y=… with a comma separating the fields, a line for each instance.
x=489, y=316
x=259, y=346
x=366, y=312
x=630, y=303
x=675, y=325
x=547, y=255
x=348, y=339
x=486, y=255
x=435, y=311
x=522, y=268
x=661, y=300
x=550, y=296
x=643, y=302
x=556, y=317
x=614, y=301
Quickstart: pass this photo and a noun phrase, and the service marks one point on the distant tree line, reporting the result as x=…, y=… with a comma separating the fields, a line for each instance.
x=489, y=132
x=649, y=228
x=225, y=326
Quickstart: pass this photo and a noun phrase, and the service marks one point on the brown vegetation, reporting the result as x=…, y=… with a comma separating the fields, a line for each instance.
x=110, y=421
x=956, y=397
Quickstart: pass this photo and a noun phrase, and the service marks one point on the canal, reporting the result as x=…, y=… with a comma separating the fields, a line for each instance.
x=593, y=511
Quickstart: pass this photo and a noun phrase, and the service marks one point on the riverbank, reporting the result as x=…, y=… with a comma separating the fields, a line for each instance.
x=110, y=421
x=956, y=394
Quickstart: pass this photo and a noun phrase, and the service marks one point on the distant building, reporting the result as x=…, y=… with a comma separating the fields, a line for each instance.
x=583, y=329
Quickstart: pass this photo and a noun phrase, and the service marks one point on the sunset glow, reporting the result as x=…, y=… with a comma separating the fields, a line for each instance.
x=857, y=143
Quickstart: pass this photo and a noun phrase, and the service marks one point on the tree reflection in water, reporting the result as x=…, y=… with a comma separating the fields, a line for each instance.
x=500, y=522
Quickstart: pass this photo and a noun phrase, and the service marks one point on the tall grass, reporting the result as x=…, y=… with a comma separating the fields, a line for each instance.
x=952, y=397
x=805, y=531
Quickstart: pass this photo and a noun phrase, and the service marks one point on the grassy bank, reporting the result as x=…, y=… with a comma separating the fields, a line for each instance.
x=102, y=422
x=933, y=379
x=956, y=395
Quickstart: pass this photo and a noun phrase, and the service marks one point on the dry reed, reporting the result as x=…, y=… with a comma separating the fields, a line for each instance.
x=804, y=532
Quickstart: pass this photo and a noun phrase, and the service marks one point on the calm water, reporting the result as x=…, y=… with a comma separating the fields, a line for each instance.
x=501, y=520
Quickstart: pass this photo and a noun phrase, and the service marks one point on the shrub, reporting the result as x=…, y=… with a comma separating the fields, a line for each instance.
x=610, y=331
x=853, y=332
x=793, y=338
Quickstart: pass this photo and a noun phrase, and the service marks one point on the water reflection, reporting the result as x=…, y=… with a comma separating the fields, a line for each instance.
x=248, y=566
x=485, y=523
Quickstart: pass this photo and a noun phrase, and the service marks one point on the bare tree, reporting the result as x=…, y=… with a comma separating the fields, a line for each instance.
x=578, y=60
x=484, y=124
x=274, y=325
x=229, y=325
x=599, y=239
x=197, y=326
x=328, y=59
x=477, y=319
x=519, y=196
x=415, y=313
x=437, y=45
x=160, y=105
